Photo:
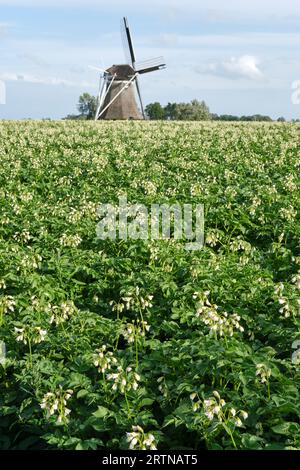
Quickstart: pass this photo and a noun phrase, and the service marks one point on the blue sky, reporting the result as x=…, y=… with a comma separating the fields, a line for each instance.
x=240, y=56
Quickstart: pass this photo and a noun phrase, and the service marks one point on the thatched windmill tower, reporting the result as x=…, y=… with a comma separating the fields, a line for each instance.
x=118, y=84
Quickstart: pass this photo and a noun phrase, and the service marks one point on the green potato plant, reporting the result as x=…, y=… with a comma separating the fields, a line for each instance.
x=117, y=344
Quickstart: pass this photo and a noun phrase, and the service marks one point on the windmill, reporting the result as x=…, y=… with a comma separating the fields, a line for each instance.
x=116, y=99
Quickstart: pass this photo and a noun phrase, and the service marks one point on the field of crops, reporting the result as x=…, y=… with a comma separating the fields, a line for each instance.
x=141, y=344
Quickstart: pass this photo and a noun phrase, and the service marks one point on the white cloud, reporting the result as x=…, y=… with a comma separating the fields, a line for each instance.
x=267, y=5
x=2, y=93
x=246, y=66
x=284, y=11
x=165, y=40
x=13, y=77
x=33, y=59
x=4, y=27
x=236, y=41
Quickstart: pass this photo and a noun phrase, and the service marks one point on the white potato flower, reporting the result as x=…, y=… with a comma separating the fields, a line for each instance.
x=55, y=403
x=139, y=440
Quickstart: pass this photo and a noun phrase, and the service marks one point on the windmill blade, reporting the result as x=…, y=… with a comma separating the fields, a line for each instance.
x=140, y=97
x=150, y=65
x=127, y=42
x=92, y=67
x=150, y=69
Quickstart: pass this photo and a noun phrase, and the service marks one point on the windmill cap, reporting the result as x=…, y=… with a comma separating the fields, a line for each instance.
x=122, y=72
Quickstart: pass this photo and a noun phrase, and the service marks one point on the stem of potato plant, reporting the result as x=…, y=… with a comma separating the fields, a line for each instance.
x=104, y=382
x=82, y=325
x=65, y=335
x=30, y=351
x=58, y=266
x=117, y=341
x=127, y=403
x=136, y=352
x=231, y=436
x=141, y=315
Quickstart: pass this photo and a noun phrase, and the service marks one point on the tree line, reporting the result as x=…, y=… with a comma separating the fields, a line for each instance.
x=193, y=111
x=196, y=111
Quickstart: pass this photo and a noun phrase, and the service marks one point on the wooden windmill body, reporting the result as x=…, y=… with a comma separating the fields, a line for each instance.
x=119, y=86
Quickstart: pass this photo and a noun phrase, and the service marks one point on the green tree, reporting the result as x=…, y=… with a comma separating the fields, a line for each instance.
x=155, y=111
x=256, y=117
x=74, y=117
x=171, y=111
x=228, y=117
x=260, y=117
x=200, y=111
x=87, y=105
x=193, y=111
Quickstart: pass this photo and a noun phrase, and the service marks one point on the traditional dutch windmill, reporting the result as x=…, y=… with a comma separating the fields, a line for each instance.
x=116, y=99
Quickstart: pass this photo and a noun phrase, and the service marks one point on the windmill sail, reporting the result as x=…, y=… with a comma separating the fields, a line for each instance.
x=150, y=65
x=127, y=42
x=140, y=97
